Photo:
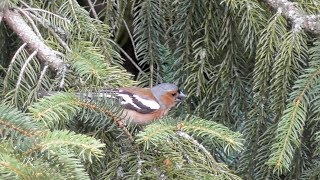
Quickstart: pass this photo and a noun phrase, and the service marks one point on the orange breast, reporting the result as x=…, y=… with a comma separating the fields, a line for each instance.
x=138, y=118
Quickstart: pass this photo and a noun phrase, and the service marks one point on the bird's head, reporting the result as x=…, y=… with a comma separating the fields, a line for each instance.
x=167, y=94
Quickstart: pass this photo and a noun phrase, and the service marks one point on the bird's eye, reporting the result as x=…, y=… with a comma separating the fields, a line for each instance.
x=174, y=94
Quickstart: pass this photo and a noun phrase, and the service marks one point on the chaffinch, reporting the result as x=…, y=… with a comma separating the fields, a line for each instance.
x=140, y=105
x=144, y=105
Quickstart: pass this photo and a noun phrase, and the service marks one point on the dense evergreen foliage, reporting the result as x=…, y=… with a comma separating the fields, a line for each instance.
x=251, y=70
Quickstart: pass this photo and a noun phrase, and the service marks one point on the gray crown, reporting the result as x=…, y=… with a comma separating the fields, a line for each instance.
x=161, y=89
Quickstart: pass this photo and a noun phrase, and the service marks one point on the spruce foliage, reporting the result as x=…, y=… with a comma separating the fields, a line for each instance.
x=250, y=69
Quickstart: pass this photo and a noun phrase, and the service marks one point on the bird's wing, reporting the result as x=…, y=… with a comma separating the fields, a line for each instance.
x=136, y=99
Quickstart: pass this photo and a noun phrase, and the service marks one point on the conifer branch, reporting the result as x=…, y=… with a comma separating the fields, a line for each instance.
x=118, y=121
x=14, y=169
x=16, y=128
x=23, y=68
x=299, y=18
x=201, y=147
x=23, y=30
x=54, y=32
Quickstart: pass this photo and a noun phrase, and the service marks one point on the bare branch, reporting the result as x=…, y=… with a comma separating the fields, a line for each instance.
x=32, y=23
x=93, y=10
x=45, y=54
x=299, y=19
x=1, y=16
x=125, y=53
x=131, y=38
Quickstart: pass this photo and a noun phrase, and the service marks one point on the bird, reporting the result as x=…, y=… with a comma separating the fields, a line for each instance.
x=142, y=106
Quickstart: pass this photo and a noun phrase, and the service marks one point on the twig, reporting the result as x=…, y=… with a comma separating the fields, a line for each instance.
x=131, y=38
x=1, y=16
x=23, y=70
x=41, y=10
x=135, y=50
x=11, y=64
x=53, y=32
x=33, y=11
x=131, y=60
x=63, y=76
x=43, y=72
x=118, y=121
x=93, y=10
x=201, y=147
x=17, y=128
x=96, y=4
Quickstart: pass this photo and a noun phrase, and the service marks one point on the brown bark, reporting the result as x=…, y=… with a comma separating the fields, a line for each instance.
x=299, y=18
x=45, y=54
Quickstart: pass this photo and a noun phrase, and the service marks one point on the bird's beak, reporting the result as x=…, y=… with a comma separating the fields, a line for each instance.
x=181, y=97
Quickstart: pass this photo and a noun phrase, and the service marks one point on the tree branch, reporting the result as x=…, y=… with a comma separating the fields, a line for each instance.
x=205, y=151
x=1, y=16
x=45, y=54
x=94, y=13
x=299, y=19
x=45, y=24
